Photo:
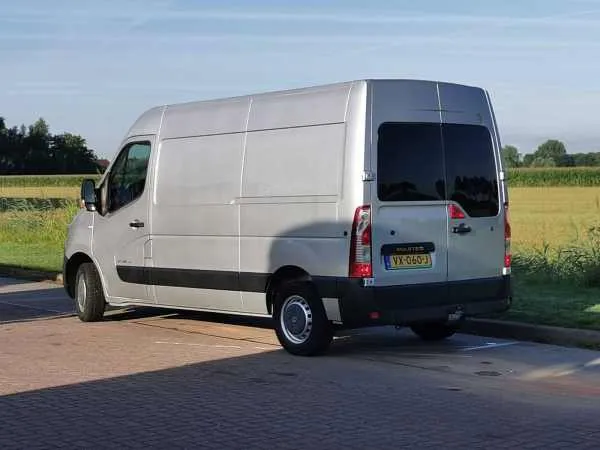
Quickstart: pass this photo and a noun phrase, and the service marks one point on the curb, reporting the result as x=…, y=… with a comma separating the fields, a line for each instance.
x=568, y=337
x=31, y=275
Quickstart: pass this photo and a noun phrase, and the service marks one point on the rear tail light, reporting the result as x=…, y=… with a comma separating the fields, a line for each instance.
x=360, y=244
x=507, y=236
x=455, y=212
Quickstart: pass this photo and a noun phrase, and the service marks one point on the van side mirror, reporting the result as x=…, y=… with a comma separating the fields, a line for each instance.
x=88, y=194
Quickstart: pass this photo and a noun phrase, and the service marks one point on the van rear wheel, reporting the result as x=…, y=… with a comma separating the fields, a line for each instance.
x=434, y=331
x=89, y=297
x=301, y=323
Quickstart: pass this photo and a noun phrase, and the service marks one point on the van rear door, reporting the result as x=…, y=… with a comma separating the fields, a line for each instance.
x=409, y=218
x=476, y=243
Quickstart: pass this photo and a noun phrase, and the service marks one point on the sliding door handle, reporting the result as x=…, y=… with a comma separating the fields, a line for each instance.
x=136, y=224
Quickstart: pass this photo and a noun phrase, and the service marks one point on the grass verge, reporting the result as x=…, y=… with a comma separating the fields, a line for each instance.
x=34, y=239
x=554, y=304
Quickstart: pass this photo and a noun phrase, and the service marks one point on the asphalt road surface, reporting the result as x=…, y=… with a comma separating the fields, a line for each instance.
x=146, y=378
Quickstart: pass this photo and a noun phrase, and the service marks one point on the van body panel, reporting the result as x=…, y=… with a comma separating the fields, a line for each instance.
x=397, y=109
x=357, y=156
x=281, y=163
x=195, y=218
x=299, y=108
x=147, y=124
x=479, y=253
x=292, y=186
x=206, y=118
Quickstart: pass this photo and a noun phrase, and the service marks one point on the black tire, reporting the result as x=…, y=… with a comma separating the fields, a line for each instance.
x=434, y=331
x=302, y=302
x=90, y=307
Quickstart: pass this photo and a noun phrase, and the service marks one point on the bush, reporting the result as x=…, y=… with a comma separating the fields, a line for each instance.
x=577, y=264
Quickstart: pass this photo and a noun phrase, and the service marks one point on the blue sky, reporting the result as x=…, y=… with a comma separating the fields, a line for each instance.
x=91, y=67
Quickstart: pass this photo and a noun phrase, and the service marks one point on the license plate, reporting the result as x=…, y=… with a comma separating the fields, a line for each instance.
x=414, y=261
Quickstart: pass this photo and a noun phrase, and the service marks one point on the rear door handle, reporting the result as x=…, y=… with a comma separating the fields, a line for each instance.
x=136, y=224
x=461, y=229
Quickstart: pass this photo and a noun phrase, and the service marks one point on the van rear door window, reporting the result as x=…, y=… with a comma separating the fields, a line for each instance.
x=410, y=162
x=471, y=169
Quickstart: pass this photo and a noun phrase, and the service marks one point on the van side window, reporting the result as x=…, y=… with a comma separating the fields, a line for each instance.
x=410, y=162
x=471, y=169
x=128, y=175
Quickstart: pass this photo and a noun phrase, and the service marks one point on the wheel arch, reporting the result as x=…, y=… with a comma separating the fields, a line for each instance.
x=285, y=273
x=70, y=272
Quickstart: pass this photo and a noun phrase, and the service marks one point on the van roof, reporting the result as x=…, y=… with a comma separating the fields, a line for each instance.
x=316, y=87
x=149, y=121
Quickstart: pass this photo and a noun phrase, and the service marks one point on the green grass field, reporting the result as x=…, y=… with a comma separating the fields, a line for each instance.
x=555, y=245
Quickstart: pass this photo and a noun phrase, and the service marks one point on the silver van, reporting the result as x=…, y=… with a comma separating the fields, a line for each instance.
x=371, y=202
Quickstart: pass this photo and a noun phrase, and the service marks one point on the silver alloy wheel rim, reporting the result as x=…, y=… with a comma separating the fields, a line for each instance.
x=81, y=292
x=296, y=319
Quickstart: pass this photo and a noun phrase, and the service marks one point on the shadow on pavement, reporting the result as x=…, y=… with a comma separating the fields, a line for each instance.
x=23, y=306
x=273, y=400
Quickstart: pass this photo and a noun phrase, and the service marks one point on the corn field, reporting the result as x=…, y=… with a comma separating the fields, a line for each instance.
x=14, y=181
x=554, y=177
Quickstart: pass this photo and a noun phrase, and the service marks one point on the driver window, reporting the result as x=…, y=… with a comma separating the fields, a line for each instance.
x=128, y=175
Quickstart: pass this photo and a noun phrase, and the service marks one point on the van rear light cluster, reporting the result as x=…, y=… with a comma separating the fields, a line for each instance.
x=507, y=237
x=360, y=244
x=455, y=212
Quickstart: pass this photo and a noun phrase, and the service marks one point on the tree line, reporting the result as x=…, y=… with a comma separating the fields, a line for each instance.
x=551, y=153
x=34, y=150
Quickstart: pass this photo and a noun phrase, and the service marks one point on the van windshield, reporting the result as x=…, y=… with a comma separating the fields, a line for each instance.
x=433, y=162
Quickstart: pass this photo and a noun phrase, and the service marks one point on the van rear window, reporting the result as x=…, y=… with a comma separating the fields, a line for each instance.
x=410, y=162
x=429, y=162
x=471, y=169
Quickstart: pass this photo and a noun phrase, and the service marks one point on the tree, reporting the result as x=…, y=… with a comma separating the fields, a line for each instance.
x=567, y=161
x=528, y=159
x=541, y=161
x=551, y=149
x=33, y=150
x=587, y=159
x=511, y=156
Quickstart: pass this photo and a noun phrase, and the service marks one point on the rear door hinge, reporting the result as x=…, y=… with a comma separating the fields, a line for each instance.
x=367, y=175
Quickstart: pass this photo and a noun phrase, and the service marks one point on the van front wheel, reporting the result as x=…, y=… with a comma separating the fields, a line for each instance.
x=301, y=324
x=434, y=331
x=89, y=298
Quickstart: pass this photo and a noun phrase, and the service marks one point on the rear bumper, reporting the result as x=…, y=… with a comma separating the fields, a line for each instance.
x=402, y=305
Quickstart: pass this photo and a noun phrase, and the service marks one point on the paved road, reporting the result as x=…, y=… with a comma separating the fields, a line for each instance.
x=155, y=379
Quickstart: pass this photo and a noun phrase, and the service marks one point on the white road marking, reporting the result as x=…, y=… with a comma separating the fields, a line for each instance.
x=195, y=344
x=595, y=362
x=488, y=345
x=560, y=370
